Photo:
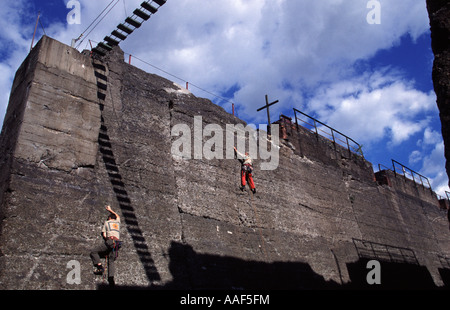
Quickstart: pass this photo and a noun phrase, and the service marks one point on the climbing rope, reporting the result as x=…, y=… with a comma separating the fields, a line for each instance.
x=256, y=214
x=105, y=270
x=259, y=226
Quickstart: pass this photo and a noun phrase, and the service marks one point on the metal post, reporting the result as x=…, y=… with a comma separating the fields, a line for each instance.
x=35, y=28
x=268, y=113
x=348, y=147
x=90, y=43
x=296, y=120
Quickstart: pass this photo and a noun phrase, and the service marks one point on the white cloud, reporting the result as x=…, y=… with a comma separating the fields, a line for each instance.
x=5, y=85
x=14, y=46
x=431, y=137
x=431, y=160
x=374, y=106
x=262, y=46
x=265, y=46
x=434, y=169
x=415, y=157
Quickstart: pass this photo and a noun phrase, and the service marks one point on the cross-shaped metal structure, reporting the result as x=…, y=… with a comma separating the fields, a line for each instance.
x=268, y=112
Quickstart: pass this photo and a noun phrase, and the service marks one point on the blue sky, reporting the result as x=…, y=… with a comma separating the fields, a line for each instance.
x=369, y=81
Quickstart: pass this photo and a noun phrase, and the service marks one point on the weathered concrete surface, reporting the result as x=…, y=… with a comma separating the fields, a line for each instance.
x=60, y=133
x=186, y=224
x=49, y=135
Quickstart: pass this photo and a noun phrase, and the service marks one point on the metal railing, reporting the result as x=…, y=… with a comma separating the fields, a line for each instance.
x=407, y=173
x=327, y=132
x=383, y=167
x=410, y=174
x=385, y=252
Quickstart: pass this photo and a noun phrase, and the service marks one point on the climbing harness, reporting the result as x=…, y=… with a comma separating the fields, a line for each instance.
x=117, y=244
x=247, y=168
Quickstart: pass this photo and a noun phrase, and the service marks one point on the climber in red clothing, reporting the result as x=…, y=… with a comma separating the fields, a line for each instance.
x=246, y=171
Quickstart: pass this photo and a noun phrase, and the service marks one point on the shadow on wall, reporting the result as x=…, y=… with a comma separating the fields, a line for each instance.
x=192, y=271
x=128, y=212
x=398, y=267
x=393, y=276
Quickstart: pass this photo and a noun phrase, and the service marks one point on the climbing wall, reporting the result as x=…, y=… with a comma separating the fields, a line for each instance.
x=83, y=132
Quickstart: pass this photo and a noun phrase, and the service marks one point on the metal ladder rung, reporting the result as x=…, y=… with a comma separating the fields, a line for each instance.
x=141, y=14
x=111, y=41
x=160, y=2
x=133, y=22
x=125, y=28
x=149, y=7
x=105, y=46
x=117, y=34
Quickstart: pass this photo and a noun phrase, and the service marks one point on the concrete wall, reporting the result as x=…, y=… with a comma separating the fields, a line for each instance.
x=99, y=132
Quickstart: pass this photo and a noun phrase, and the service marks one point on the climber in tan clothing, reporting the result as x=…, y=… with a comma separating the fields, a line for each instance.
x=110, y=246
